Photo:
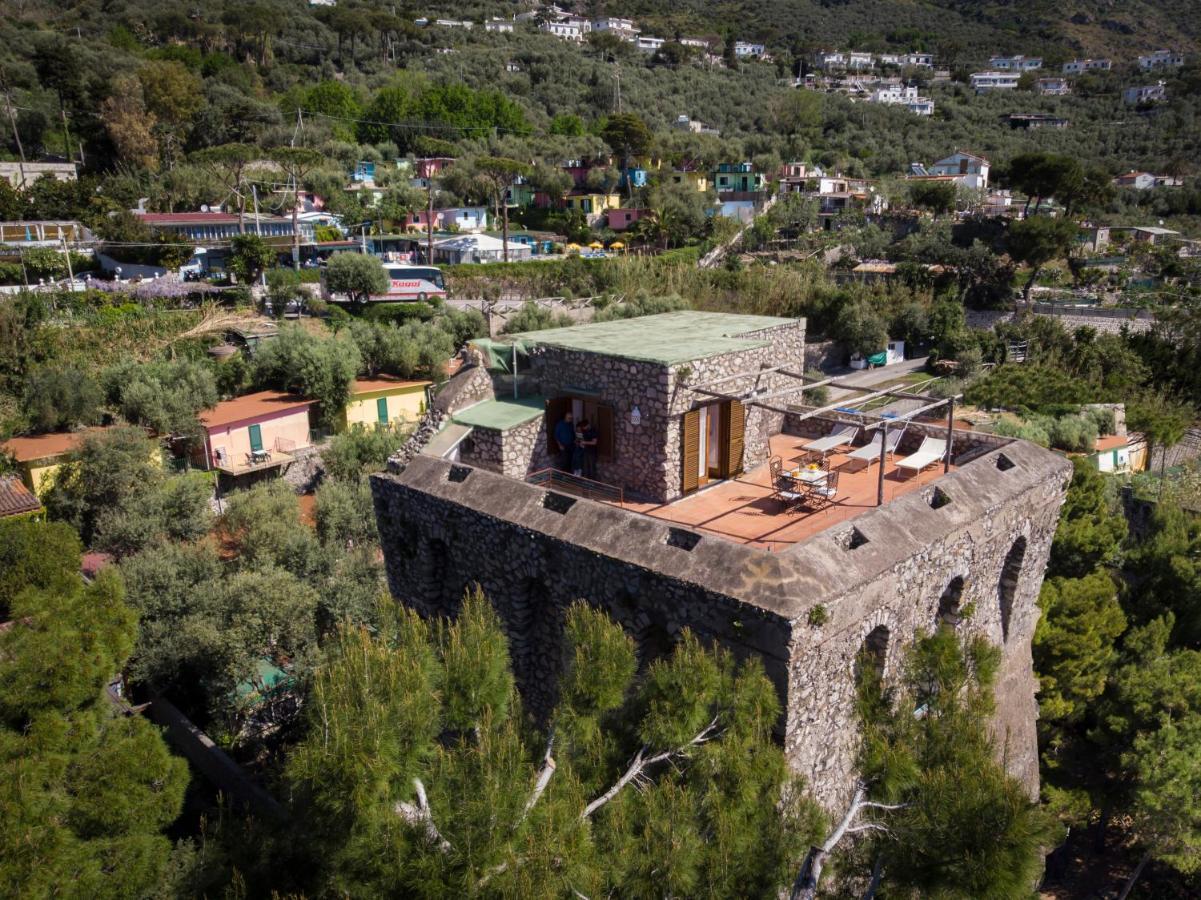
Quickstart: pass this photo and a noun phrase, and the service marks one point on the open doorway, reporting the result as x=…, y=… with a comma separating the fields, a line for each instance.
x=712, y=443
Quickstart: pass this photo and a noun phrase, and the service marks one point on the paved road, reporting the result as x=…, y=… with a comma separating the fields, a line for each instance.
x=867, y=378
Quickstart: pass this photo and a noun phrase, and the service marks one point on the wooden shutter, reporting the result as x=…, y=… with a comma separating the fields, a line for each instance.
x=735, y=443
x=603, y=422
x=691, y=449
x=556, y=409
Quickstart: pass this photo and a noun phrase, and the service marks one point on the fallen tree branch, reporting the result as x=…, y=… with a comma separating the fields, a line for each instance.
x=641, y=762
x=419, y=816
x=544, y=776
x=805, y=886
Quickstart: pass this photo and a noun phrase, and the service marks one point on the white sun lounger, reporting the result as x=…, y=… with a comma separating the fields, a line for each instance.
x=932, y=450
x=844, y=435
x=871, y=452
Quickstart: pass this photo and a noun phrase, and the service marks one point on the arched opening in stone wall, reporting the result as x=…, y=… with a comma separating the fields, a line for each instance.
x=536, y=644
x=949, y=604
x=431, y=586
x=1007, y=585
x=873, y=654
x=652, y=642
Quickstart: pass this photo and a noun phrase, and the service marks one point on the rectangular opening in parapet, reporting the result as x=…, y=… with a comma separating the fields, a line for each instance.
x=458, y=474
x=557, y=502
x=1004, y=463
x=681, y=539
x=851, y=539
x=937, y=498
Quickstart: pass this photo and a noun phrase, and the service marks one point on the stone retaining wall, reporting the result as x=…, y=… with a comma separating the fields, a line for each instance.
x=1107, y=320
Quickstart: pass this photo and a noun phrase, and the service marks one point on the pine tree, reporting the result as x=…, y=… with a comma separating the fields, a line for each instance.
x=1091, y=530
x=961, y=826
x=84, y=792
x=1075, y=643
x=421, y=776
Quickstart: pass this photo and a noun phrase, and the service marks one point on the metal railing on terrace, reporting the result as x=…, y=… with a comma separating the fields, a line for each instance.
x=576, y=485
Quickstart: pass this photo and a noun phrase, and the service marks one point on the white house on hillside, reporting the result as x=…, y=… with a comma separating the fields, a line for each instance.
x=1016, y=63
x=1148, y=93
x=623, y=28
x=902, y=95
x=745, y=50
x=969, y=169
x=1079, y=66
x=995, y=81
x=1161, y=59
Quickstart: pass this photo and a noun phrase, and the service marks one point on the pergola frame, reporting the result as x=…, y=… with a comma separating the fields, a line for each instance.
x=752, y=397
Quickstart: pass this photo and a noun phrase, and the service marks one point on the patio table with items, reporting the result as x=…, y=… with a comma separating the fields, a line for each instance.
x=809, y=475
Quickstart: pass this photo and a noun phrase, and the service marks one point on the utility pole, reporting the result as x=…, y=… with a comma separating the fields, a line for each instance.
x=12, y=118
x=67, y=257
x=429, y=221
x=258, y=228
x=617, y=78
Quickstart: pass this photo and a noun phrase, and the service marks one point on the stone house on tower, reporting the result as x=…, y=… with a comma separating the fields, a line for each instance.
x=701, y=419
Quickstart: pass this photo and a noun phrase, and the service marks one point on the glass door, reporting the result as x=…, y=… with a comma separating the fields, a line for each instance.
x=256, y=438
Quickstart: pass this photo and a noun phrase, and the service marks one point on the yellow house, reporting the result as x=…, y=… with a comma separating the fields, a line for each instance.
x=698, y=181
x=385, y=399
x=592, y=203
x=40, y=455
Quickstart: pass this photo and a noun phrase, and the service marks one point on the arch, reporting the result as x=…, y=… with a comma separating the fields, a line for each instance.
x=652, y=642
x=949, y=604
x=432, y=586
x=536, y=644
x=1007, y=584
x=873, y=653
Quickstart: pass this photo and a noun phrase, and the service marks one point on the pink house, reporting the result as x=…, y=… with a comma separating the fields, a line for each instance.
x=621, y=219
x=428, y=166
x=254, y=432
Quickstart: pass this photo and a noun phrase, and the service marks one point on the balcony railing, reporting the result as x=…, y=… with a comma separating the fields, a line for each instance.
x=257, y=460
x=576, y=485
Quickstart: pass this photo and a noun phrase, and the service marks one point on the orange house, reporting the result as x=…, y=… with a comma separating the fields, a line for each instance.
x=255, y=432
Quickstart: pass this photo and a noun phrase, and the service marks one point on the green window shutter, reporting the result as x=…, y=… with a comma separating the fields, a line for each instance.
x=381, y=410
x=256, y=438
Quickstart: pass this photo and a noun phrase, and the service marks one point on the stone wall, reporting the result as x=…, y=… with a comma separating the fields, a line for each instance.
x=975, y=559
x=436, y=547
x=1108, y=320
x=518, y=452
x=470, y=385
x=445, y=527
x=827, y=356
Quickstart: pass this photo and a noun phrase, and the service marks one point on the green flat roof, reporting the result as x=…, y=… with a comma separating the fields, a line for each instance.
x=501, y=415
x=666, y=338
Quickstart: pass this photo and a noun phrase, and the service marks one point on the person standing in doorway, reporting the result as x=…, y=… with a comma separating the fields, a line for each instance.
x=588, y=439
x=565, y=438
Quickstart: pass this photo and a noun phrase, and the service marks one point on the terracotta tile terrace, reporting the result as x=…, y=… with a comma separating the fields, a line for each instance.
x=742, y=509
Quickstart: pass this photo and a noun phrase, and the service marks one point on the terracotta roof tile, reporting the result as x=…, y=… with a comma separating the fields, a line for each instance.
x=383, y=383
x=45, y=446
x=252, y=406
x=15, y=498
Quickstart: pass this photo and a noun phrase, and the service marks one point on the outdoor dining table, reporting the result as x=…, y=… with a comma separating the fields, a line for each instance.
x=809, y=476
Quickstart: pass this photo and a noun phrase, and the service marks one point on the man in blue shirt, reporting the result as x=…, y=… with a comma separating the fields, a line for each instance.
x=565, y=438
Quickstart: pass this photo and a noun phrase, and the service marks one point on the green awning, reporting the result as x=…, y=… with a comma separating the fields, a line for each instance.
x=498, y=355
